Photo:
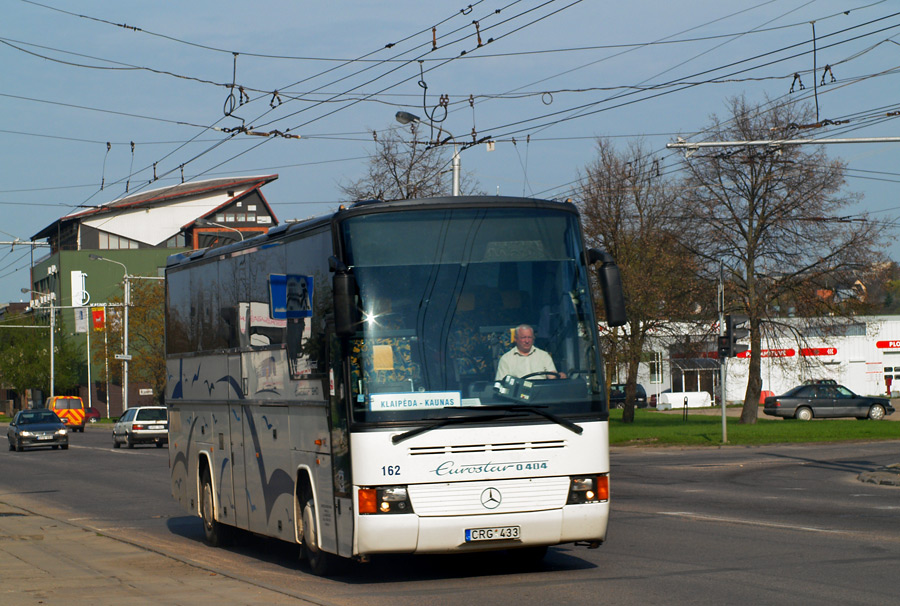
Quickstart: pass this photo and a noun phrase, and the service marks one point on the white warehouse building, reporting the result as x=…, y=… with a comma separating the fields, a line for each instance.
x=863, y=354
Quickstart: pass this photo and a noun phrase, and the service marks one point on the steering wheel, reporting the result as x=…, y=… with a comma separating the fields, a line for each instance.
x=556, y=375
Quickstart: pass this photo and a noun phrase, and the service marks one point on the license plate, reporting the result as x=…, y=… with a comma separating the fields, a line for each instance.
x=45, y=437
x=495, y=533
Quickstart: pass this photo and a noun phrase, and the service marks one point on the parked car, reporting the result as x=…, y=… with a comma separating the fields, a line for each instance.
x=91, y=414
x=37, y=427
x=826, y=399
x=142, y=425
x=617, y=396
x=68, y=408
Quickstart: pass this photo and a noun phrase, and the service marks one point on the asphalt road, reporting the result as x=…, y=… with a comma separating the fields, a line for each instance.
x=761, y=525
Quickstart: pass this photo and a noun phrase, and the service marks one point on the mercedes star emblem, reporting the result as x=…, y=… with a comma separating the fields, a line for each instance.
x=491, y=498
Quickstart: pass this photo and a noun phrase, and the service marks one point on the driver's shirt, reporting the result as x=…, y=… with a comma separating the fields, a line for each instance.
x=517, y=365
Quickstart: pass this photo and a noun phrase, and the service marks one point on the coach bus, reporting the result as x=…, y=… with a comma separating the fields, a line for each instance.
x=333, y=383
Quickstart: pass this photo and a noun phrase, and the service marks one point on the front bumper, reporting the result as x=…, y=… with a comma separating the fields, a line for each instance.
x=36, y=441
x=410, y=533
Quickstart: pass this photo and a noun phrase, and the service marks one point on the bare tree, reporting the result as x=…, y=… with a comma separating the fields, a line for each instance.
x=770, y=216
x=404, y=168
x=629, y=210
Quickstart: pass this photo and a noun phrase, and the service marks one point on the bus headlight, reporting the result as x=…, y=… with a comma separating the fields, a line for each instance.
x=388, y=499
x=588, y=489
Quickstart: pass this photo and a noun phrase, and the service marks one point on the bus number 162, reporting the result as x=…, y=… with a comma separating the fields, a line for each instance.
x=390, y=470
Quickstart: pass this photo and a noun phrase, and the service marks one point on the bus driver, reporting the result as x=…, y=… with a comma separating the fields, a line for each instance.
x=525, y=358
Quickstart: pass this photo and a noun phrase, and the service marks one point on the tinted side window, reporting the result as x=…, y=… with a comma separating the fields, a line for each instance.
x=806, y=392
x=308, y=257
x=180, y=337
x=233, y=296
x=206, y=307
x=264, y=329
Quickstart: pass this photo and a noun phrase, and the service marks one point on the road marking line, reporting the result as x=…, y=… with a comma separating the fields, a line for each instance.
x=698, y=516
x=128, y=451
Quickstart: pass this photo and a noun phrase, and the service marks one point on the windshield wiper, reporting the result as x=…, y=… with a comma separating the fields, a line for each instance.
x=537, y=410
x=400, y=437
x=513, y=408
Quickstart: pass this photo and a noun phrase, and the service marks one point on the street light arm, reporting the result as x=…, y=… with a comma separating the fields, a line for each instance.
x=407, y=118
x=99, y=258
x=207, y=223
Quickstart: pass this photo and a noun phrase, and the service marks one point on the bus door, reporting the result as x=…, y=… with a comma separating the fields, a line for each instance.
x=236, y=470
x=340, y=445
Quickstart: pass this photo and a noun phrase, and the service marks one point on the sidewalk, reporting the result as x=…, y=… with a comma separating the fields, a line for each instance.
x=57, y=563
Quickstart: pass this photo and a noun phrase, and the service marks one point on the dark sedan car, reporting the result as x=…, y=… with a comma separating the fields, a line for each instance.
x=617, y=396
x=826, y=399
x=38, y=427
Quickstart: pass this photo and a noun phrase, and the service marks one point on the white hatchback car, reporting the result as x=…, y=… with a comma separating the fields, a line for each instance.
x=142, y=425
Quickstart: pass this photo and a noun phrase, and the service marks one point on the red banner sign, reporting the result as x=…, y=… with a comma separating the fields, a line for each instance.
x=887, y=344
x=771, y=353
x=818, y=351
x=98, y=317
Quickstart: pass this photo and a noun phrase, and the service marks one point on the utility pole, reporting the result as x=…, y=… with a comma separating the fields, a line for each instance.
x=722, y=359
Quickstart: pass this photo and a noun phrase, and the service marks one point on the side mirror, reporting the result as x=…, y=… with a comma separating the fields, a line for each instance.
x=346, y=312
x=611, y=284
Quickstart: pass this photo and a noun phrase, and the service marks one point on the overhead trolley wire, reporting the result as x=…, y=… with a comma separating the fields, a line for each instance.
x=686, y=86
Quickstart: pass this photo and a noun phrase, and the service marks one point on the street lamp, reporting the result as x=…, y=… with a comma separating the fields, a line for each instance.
x=408, y=118
x=125, y=357
x=52, y=331
x=207, y=223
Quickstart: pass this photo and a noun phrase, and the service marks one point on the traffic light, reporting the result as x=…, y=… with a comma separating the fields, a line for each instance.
x=734, y=331
x=724, y=347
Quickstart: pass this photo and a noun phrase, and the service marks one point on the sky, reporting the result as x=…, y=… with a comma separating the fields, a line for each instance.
x=99, y=99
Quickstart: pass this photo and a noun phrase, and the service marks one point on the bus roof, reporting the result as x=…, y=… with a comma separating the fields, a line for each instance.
x=366, y=207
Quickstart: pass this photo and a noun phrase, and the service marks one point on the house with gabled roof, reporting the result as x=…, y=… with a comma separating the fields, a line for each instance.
x=136, y=234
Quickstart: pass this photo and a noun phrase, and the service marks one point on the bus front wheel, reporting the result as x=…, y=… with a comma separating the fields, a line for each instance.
x=320, y=563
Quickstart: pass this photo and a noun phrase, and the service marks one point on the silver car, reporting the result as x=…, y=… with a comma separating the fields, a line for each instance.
x=142, y=425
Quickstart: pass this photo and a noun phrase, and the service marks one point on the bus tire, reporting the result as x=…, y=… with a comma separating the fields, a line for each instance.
x=321, y=564
x=215, y=533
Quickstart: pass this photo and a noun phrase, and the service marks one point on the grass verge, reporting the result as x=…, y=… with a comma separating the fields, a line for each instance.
x=652, y=428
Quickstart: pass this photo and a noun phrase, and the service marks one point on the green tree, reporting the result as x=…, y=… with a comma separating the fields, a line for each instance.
x=25, y=357
x=146, y=338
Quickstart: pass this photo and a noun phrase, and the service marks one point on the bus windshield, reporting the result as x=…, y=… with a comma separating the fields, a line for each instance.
x=442, y=292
